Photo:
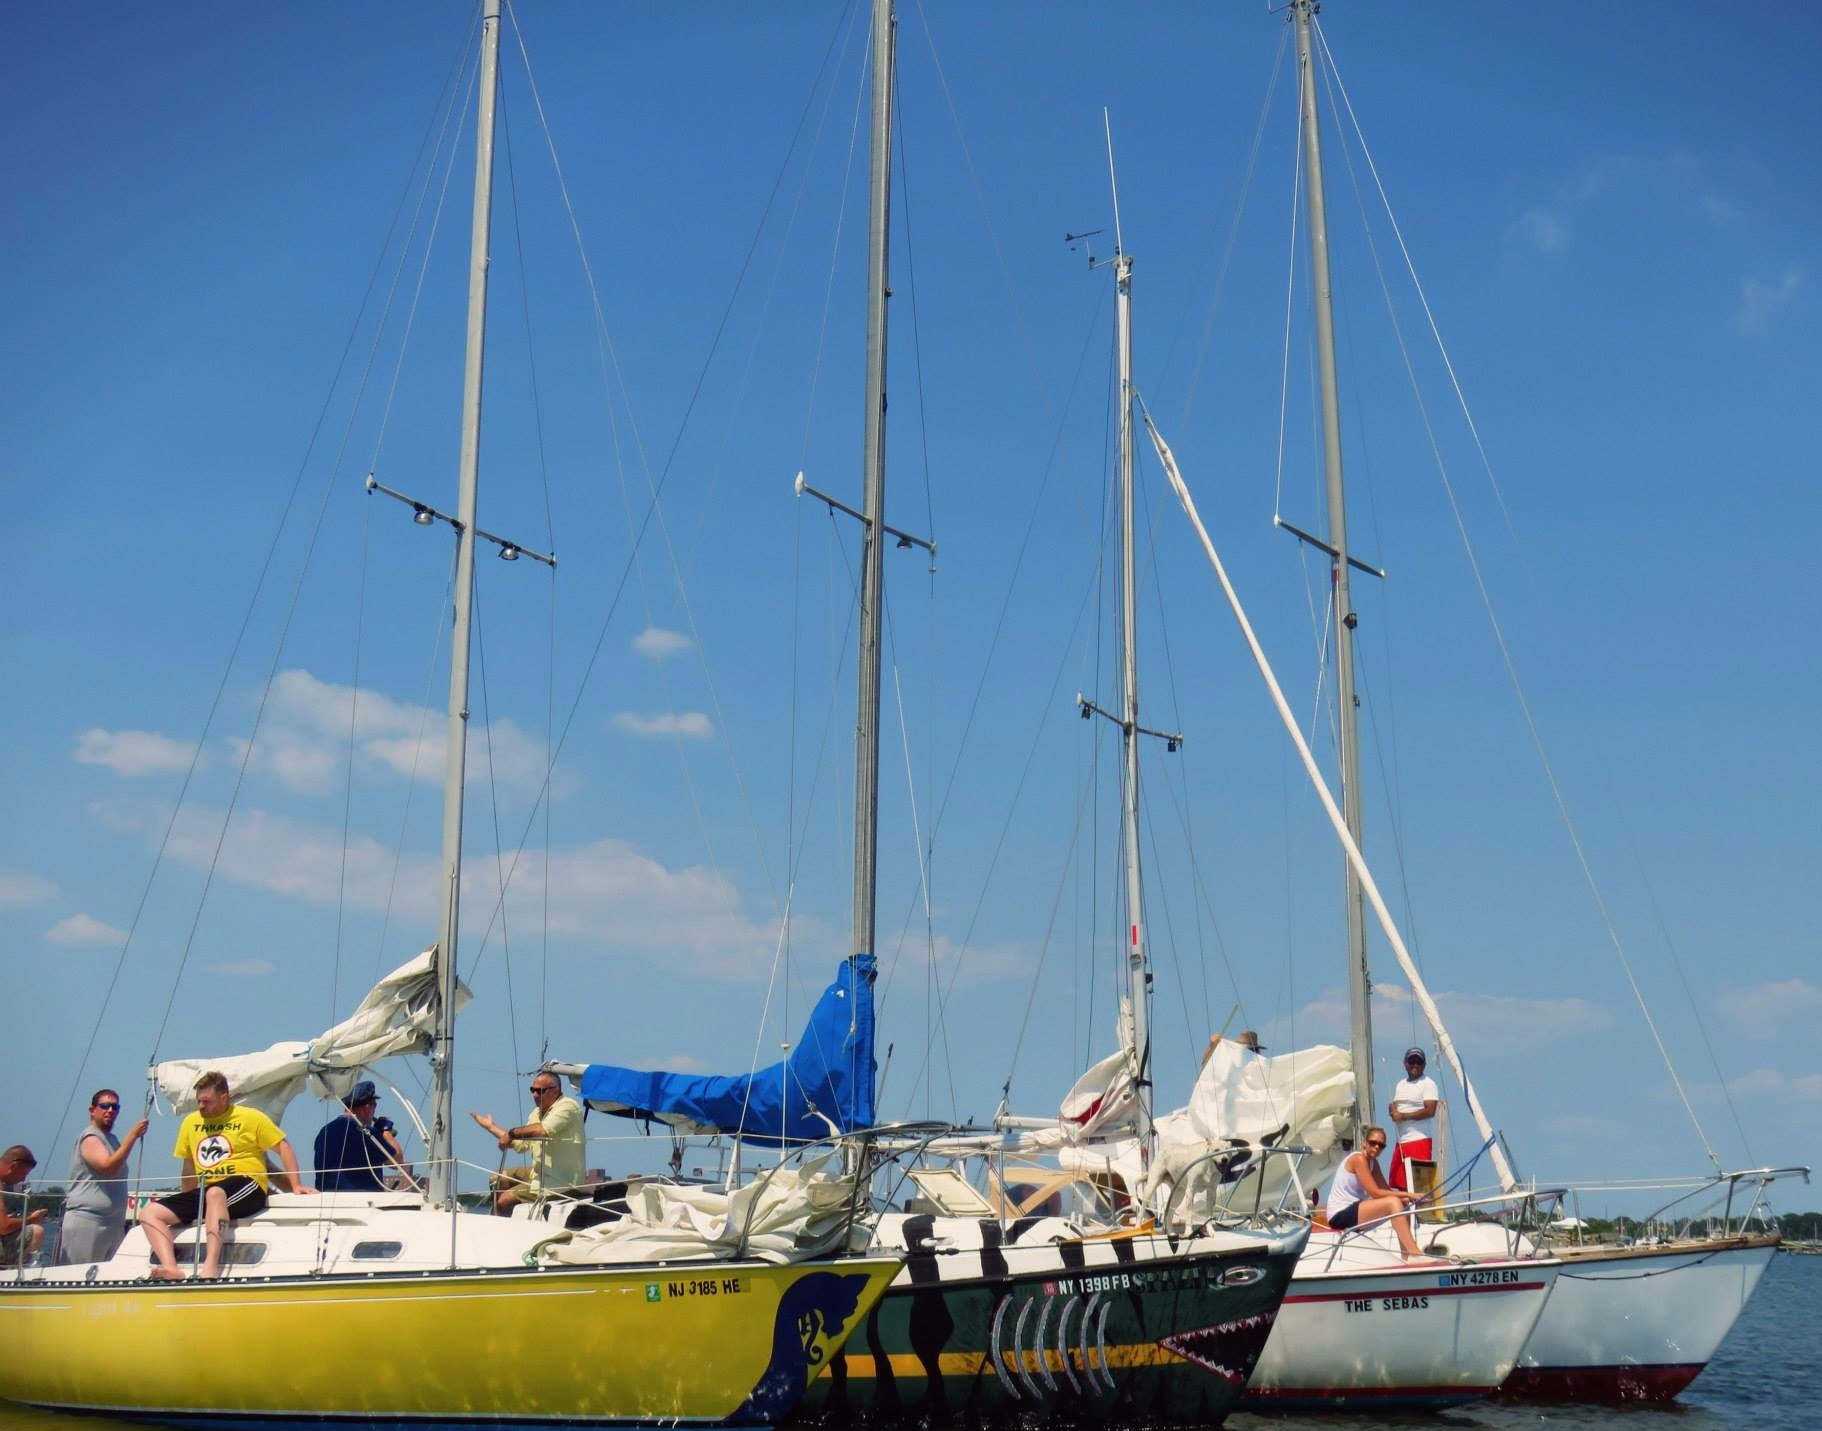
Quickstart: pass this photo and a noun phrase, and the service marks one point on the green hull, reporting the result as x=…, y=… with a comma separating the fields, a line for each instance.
x=1158, y=1336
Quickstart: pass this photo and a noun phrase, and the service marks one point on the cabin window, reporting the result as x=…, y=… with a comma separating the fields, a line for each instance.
x=235, y=1254
x=376, y=1251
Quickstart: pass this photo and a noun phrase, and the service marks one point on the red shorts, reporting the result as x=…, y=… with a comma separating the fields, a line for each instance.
x=1418, y=1148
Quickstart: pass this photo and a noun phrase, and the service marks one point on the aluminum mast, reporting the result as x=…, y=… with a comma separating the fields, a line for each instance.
x=1360, y=985
x=442, y=1095
x=873, y=463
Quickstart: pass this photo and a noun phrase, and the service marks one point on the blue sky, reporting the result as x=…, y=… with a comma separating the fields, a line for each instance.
x=1615, y=231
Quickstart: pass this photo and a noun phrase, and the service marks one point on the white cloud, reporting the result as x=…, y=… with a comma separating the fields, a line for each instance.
x=1480, y=1023
x=303, y=741
x=1722, y=211
x=658, y=644
x=241, y=968
x=1761, y=300
x=1500, y=1023
x=83, y=929
x=115, y=817
x=19, y=888
x=688, y=725
x=1769, y=1084
x=304, y=861
x=1545, y=231
x=682, y=1063
x=1761, y=1007
x=132, y=752
x=607, y=893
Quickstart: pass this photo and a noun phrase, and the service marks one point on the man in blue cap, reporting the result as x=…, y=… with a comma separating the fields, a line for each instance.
x=348, y=1157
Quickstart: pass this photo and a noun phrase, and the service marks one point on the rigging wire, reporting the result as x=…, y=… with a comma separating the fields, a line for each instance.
x=493, y=794
x=664, y=473
x=1461, y=398
x=1233, y=231
x=445, y=611
x=240, y=636
x=1505, y=651
x=550, y=545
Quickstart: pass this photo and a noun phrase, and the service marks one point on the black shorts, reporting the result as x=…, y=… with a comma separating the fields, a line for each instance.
x=1344, y=1219
x=245, y=1198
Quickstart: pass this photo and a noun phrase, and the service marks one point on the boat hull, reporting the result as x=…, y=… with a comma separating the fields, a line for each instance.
x=1138, y=1329
x=1637, y=1324
x=1397, y=1336
x=708, y=1344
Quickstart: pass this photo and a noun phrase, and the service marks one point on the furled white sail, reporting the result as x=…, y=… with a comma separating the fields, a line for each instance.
x=1105, y=1098
x=397, y=1016
x=785, y=1216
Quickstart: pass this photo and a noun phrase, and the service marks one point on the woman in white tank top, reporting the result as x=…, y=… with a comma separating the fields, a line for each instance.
x=1360, y=1193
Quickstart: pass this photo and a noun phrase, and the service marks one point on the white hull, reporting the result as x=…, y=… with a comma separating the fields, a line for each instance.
x=1362, y=1328
x=1638, y=1323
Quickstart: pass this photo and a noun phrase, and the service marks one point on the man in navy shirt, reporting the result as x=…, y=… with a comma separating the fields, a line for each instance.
x=348, y=1157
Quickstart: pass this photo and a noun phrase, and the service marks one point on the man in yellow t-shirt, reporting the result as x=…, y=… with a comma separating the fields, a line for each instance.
x=223, y=1146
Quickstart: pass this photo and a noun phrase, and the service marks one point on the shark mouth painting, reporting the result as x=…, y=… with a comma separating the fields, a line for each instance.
x=1228, y=1350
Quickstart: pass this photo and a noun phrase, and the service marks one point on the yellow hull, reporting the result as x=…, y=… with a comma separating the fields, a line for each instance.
x=697, y=1344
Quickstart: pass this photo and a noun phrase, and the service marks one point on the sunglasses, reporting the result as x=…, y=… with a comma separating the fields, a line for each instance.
x=1375, y=1142
x=108, y=1107
x=535, y=1088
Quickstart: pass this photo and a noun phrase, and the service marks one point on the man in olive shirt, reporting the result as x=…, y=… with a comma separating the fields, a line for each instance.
x=554, y=1139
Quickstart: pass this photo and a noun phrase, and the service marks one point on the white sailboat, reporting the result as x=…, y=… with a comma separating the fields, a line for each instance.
x=1613, y=1328
x=731, y=1316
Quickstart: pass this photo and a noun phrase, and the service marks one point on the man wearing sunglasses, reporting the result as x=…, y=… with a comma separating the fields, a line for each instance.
x=95, y=1210
x=554, y=1139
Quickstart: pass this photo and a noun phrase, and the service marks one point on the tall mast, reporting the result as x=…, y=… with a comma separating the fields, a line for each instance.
x=1139, y=978
x=873, y=461
x=442, y=1096
x=1138, y=1051
x=1360, y=1027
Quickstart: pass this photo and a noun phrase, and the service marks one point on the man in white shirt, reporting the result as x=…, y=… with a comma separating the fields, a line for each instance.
x=1413, y=1113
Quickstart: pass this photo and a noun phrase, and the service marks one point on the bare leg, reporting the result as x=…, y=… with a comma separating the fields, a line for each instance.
x=160, y=1223
x=214, y=1228
x=1376, y=1209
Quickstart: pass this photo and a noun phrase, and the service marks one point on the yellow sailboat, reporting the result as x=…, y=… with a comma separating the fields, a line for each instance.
x=692, y=1343
x=458, y=1318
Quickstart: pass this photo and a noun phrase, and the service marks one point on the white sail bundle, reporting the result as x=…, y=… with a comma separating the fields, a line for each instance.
x=1240, y=1100
x=397, y=1016
x=784, y=1216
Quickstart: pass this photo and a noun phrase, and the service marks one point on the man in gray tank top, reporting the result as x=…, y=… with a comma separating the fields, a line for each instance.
x=95, y=1209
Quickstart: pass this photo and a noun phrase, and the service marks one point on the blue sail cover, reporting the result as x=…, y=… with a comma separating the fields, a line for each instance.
x=829, y=1073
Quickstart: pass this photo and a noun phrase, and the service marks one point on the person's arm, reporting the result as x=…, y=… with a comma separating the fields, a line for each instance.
x=188, y=1180
x=289, y=1159
x=394, y=1156
x=502, y=1136
x=104, y=1164
x=1377, y=1186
